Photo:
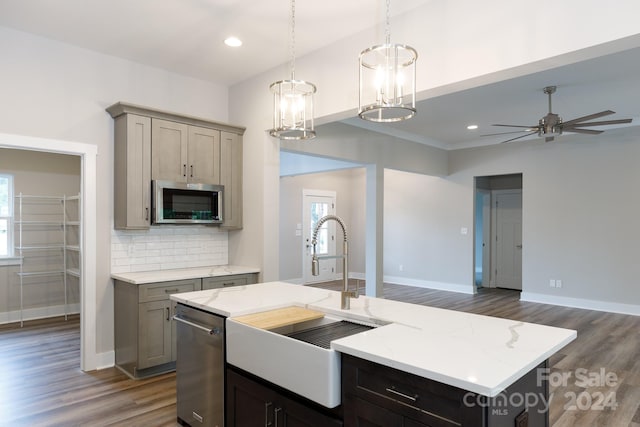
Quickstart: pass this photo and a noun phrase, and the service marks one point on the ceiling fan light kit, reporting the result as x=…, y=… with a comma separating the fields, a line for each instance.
x=387, y=81
x=552, y=125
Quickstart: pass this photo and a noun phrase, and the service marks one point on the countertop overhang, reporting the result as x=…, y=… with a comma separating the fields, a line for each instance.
x=155, y=276
x=478, y=353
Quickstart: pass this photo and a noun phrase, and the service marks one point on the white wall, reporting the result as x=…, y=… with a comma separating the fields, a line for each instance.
x=461, y=44
x=580, y=208
x=54, y=90
x=423, y=216
x=349, y=186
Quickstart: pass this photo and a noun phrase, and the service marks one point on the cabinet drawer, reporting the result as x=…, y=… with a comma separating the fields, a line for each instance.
x=428, y=401
x=226, y=281
x=161, y=291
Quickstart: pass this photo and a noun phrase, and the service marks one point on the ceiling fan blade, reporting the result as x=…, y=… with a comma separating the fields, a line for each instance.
x=586, y=131
x=518, y=126
x=601, y=123
x=518, y=137
x=589, y=117
x=507, y=133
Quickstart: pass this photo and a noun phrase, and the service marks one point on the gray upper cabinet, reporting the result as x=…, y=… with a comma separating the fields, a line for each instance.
x=183, y=153
x=231, y=178
x=159, y=145
x=132, y=175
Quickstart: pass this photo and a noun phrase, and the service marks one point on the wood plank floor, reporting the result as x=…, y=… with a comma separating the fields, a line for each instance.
x=41, y=383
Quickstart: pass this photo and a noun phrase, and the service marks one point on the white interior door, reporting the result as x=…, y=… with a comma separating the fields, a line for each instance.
x=317, y=204
x=508, y=239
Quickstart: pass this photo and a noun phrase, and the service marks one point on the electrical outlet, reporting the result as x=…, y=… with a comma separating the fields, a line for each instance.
x=552, y=283
x=401, y=267
x=558, y=283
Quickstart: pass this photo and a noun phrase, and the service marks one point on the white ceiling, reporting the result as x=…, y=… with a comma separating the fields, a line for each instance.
x=186, y=37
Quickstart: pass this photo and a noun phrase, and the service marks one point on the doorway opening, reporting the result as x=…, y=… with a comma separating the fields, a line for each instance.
x=316, y=204
x=89, y=359
x=498, y=231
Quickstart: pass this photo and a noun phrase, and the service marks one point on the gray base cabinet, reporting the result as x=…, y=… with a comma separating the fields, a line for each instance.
x=145, y=333
x=228, y=281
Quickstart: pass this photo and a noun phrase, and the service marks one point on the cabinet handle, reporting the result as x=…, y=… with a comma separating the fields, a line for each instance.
x=184, y=170
x=146, y=216
x=276, y=413
x=170, y=291
x=393, y=390
x=168, y=313
x=191, y=171
x=267, y=405
x=229, y=284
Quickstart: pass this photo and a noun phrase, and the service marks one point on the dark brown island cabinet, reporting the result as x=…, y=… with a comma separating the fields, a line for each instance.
x=251, y=401
x=378, y=396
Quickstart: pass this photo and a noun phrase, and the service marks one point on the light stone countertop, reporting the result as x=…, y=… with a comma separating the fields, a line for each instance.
x=478, y=353
x=142, y=277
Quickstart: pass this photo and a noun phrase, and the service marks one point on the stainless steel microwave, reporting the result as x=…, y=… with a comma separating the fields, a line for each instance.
x=186, y=203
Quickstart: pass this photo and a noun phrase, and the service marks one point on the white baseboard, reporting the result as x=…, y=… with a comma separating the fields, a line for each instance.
x=105, y=360
x=38, y=313
x=441, y=286
x=612, y=307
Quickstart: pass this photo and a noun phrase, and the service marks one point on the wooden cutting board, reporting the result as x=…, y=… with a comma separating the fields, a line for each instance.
x=273, y=319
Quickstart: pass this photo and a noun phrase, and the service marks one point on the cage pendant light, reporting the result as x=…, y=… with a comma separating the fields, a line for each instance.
x=387, y=80
x=293, y=100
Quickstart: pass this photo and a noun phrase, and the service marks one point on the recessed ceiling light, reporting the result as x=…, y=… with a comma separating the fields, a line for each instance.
x=233, y=42
x=472, y=127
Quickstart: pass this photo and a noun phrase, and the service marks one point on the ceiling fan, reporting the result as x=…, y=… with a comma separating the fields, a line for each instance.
x=552, y=125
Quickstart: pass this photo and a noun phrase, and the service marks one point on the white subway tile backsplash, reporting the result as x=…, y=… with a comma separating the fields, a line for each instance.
x=167, y=247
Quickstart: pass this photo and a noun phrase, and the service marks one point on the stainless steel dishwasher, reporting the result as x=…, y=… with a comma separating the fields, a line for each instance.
x=199, y=367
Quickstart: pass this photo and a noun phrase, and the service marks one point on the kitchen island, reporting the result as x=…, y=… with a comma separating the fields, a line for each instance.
x=471, y=359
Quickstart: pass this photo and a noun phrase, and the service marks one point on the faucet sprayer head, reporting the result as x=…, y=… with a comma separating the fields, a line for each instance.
x=315, y=266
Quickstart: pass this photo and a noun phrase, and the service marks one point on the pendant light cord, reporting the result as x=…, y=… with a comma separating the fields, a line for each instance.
x=387, y=30
x=293, y=39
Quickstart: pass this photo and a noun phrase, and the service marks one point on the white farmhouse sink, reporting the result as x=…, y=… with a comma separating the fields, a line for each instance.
x=303, y=368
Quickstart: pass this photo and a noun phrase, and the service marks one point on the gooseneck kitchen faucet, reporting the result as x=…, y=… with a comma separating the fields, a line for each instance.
x=345, y=295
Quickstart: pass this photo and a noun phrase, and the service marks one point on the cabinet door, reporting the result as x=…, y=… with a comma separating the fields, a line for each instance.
x=361, y=413
x=169, y=150
x=247, y=402
x=132, y=175
x=250, y=403
x=290, y=413
x=203, y=156
x=154, y=341
x=231, y=178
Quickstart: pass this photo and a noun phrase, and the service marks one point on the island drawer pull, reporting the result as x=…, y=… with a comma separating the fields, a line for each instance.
x=276, y=412
x=267, y=405
x=393, y=390
x=169, y=291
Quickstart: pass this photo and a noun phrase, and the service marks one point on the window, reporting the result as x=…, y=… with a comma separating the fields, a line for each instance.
x=6, y=215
